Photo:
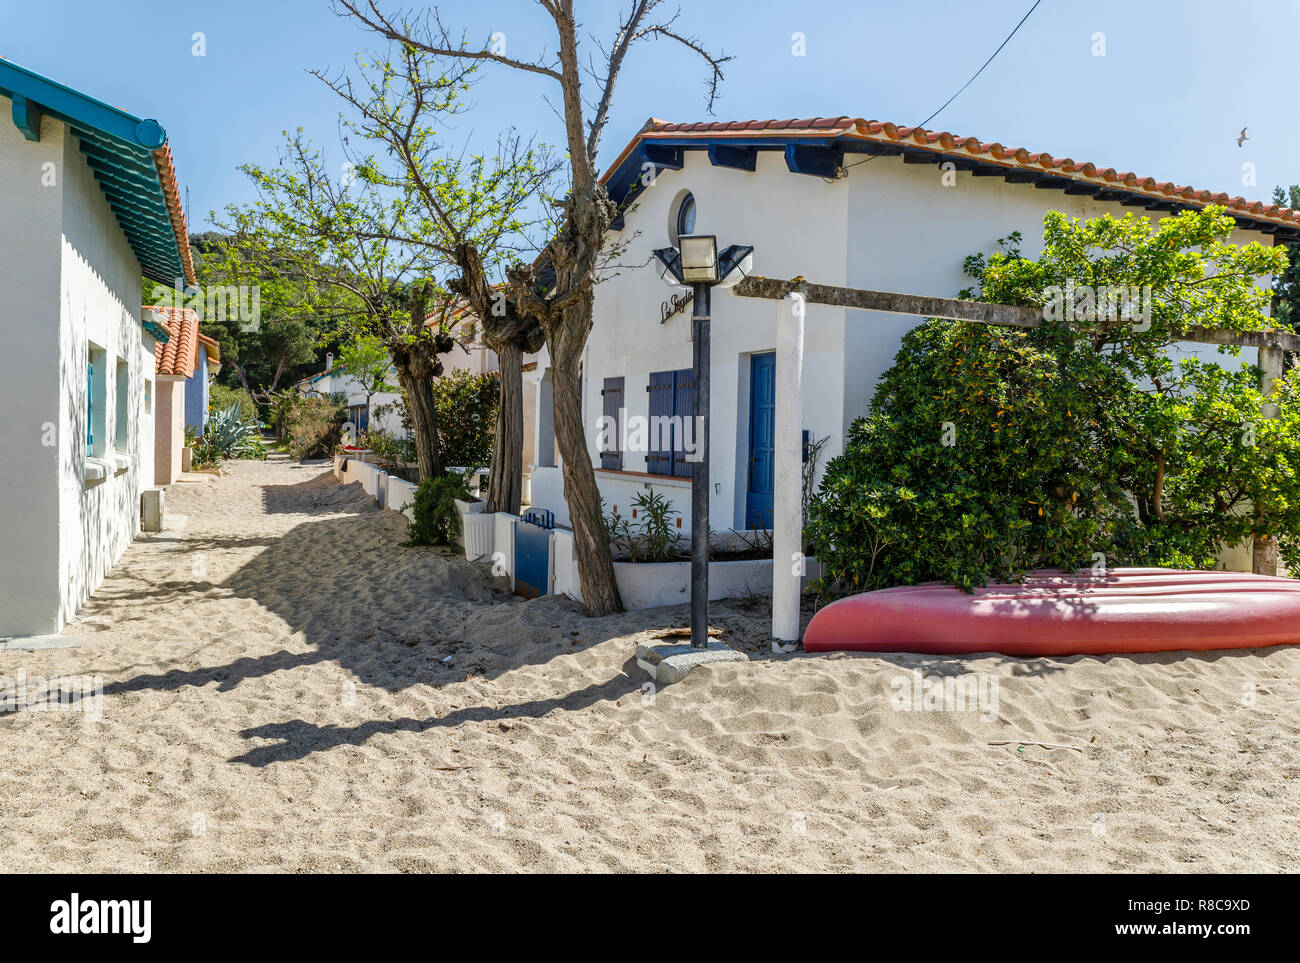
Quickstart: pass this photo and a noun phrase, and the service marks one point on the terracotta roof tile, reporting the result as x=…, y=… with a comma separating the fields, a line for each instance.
x=179, y=356
x=171, y=190
x=849, y=128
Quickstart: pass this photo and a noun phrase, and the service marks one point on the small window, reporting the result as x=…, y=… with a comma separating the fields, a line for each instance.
x=148, y=396
x=686, y=215
x=96, y=402
x=122, y=414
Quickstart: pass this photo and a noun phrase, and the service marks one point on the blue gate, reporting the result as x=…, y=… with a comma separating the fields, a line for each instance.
x=762, y=438
x=533, y=555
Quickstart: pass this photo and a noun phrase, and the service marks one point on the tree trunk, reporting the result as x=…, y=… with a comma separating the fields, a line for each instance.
x=505, y=483
x=1264, y=556
x=424, y=421
x=417, y=365
x=590, y=540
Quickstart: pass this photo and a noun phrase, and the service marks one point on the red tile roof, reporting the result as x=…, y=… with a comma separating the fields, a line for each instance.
x=941, y=141
x=179, y=356
x=162, y=158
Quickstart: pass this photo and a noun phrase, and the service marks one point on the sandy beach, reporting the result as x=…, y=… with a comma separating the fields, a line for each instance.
x=288, y=688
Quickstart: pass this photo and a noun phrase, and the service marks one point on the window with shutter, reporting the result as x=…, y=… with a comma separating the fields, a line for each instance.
x=672, y=396
x=684, y=411
x=659, y=461
x=612, y=397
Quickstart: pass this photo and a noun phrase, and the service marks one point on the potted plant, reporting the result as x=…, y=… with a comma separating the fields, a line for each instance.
x=466, y=503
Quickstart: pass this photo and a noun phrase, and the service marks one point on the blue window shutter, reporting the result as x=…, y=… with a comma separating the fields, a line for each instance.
x=684, y=409
x=612, y=397
x=90, y=408
x=658, y=461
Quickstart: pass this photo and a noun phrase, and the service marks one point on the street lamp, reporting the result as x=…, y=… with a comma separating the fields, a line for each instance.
x=696, y=262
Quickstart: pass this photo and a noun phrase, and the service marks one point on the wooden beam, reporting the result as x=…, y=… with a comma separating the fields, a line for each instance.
x=740, y=158
x=817, y=161
x=1006, y=314
x=1279, y=340
x=982, y=312
x=27, y=117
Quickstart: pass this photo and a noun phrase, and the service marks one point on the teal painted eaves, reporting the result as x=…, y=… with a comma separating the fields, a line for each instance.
x=118, y=148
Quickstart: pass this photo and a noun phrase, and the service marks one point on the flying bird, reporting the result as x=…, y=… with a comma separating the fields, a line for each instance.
x=1242, y=138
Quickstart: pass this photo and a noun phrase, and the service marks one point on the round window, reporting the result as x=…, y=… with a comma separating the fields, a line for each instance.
x=686, y=216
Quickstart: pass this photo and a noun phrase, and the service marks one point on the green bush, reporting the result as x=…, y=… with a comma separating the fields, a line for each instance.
x=221, y=397
x=283, y=402
x=991, y=451
x=313, y=426
x=466, y=409
x=435, y=520
x=384, y=446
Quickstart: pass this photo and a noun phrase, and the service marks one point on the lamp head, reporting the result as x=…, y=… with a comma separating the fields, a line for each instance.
x=699, y=255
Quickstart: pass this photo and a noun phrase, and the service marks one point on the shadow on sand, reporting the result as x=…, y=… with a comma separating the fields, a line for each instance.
x=396, y=616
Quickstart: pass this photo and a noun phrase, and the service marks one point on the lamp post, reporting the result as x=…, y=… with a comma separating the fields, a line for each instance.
x=697, y=262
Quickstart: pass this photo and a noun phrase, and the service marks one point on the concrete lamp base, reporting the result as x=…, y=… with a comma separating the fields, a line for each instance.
x=669, y=662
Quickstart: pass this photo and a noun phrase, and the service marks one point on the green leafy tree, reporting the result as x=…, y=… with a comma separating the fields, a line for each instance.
x=344, y=238
x=1286, y=286
x=279, y=346
x=992, y=451
x=467, y=416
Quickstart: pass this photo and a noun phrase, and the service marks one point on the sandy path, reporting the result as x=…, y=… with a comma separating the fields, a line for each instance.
x=275, y=698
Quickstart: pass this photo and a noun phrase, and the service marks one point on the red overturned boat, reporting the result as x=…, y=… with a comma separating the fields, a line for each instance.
x=1055, y=613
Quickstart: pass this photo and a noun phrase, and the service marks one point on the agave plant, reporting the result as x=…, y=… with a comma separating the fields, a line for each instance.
x=228, y=435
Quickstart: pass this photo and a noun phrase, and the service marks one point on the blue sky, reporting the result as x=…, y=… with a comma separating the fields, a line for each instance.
x=1179, y=78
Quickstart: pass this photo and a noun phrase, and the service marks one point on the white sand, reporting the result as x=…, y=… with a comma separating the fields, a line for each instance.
x=275, y=699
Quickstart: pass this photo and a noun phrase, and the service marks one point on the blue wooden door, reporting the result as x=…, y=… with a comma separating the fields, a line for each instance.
x=532, y=560
x=762, y=422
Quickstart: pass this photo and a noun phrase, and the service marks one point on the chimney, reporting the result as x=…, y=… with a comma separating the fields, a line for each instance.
x=329, y=360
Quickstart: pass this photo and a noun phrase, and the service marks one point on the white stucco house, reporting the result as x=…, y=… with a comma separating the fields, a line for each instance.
x=840, y=201
x=90, y=205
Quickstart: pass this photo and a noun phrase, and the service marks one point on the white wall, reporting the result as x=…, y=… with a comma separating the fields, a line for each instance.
x=99, y=302
x=909, y=233
x=68, y=277
x=797, y=225
x=30, y=229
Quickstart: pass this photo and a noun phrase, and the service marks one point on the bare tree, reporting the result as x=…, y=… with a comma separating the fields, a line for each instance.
x=557, y=290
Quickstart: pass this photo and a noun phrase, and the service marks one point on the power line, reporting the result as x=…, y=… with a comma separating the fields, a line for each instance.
x=969, y=82
x=981, y=70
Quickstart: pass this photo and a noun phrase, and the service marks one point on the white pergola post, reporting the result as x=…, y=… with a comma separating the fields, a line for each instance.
x=787, y=499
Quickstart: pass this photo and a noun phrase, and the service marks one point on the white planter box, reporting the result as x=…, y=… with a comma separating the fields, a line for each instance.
x=478, y=530
x=645, y=585
x=470, y=508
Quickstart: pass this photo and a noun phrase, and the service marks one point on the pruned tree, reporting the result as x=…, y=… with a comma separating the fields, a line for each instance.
x=473, y=212
x=343, y=235
x=557, y=290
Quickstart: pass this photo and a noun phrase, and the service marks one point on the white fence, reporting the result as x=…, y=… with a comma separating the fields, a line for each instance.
x=489, y=539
